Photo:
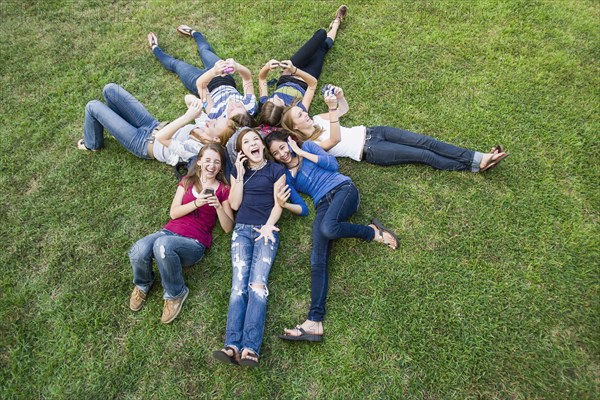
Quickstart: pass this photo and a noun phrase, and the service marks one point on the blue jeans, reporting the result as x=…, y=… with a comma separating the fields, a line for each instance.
x=331, y=213
x=172, y=252
x=393, y=146
x=311, y=56
x=186, y=72
x=252, y=263
x=123, y=116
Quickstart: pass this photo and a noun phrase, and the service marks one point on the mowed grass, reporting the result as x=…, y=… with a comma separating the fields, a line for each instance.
x=493, y=294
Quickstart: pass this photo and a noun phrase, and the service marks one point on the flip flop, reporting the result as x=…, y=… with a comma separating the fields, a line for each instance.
x=152, y=40
x=340, y=14
x=308, y=337
x=382, y=229
x=248, y=360
x=185, y=30
x=497, y=148
x=495, y=162
x=222, y=355
x=81, y=146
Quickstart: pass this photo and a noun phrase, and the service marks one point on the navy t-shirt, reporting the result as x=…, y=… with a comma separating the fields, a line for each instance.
x=257, y=200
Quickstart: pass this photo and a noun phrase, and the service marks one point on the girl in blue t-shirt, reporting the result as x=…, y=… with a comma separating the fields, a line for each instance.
x=298, y=79
x=312, y=171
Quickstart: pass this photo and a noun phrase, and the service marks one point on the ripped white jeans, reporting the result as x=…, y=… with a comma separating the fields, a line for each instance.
x=251, y=261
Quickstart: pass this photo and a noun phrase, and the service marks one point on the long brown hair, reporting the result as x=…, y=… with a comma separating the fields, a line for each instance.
x=194, y=175
x=244, y=132
x=287, y=123
x=270, y=114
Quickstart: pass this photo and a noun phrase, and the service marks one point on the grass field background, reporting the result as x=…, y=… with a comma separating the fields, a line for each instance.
x=494, y=293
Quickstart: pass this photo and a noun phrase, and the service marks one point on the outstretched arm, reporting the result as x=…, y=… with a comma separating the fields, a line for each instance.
x=310, y=80
x=165, y=135
x=263, y=87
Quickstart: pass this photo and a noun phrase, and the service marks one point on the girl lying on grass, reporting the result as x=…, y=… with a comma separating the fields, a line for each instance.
x=298, y=79
x=201, y=198
x=141, y=133
x=253, y=247
x=214, y=85
x=382, y=145
x=312, y=171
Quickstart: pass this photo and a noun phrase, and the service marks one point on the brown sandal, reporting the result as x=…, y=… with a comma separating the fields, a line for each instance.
x=249, y=360
x=223, y=355
x=339, y=15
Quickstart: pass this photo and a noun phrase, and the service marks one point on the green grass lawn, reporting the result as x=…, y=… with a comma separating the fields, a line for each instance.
x=494, y=293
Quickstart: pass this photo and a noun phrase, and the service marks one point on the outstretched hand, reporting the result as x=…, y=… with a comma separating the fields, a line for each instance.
x=288, y=67
x=266, y=233
x=194, y=109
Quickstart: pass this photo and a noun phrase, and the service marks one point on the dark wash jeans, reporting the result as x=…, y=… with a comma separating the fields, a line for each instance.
x=332, y=212
x=188, y=74
x=385, y=145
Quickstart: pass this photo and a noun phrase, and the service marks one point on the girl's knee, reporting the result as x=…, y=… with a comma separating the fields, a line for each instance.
x=110, y=90
x=161, y=247
x=91, y=106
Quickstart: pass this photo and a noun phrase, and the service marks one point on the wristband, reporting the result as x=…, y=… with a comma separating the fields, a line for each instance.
x=334, y=122
x=333, y=109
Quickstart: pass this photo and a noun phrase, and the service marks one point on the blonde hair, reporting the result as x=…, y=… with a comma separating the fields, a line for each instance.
x=287, y=123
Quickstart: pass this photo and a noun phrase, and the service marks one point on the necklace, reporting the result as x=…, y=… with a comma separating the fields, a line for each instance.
x=259, y=166
x=256, y=169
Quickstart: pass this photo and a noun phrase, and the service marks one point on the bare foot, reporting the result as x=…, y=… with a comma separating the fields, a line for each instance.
x=309, y=327
x=490, y=160
x=185, y=30
x=384, y=236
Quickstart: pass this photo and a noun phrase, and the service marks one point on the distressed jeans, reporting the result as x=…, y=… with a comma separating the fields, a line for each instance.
x=123, y=116
x=172, y=252
x=252, y=261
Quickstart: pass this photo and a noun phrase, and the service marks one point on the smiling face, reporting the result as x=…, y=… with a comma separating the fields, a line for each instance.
x=210, y=163
x=211, y=130
x=281, y=152
x=252, y=146
x=300, y=119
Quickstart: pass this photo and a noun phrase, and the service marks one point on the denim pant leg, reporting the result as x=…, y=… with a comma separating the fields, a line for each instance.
x=311, y=56
x=172, y=252
x=141, y=256
x=342, y=205
x=393, y=146
x=319, y=261
x=331, y=213
x=242, y=247
x=207, y=54
x=188, y=74
x=99, y=116
x=128, y=107
x=263, y=257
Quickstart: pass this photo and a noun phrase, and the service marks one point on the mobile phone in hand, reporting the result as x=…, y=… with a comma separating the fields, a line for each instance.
x=209, y=191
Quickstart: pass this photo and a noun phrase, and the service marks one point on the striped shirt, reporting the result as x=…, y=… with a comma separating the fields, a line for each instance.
x=221, y=95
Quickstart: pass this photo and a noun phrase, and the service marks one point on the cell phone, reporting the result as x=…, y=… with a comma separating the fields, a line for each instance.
x=209, y=191
x=328, y=90
x=228, y=70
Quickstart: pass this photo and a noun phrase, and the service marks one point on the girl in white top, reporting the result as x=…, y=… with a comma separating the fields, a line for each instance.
x=141, y=133
x=382, y=145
